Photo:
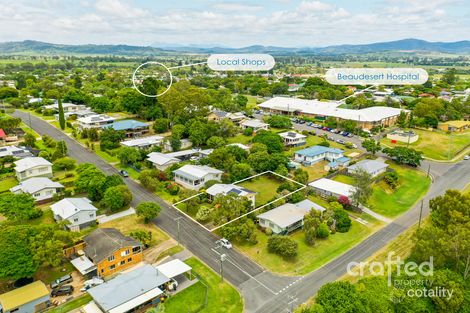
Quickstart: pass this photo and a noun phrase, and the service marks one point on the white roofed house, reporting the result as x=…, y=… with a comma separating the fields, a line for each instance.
x=143, y=142
x=95, y=121
x=225, y=189
x=288, y=217
x=330, y=188
x=161, y=160
x=32, y=167
x=293, y=139
x=68, y=107
x=16, y=152
x=80, y=212
x=195, y=176
x=255, y=124
x=373, y=167
x=42, y=189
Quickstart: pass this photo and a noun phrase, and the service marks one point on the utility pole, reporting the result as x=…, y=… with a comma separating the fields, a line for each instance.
x=429, y=169
x=223, y=257
x=420, y=214
x=29, y=115
x=177, y=220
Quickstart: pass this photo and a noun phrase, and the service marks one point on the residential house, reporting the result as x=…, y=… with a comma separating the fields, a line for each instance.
x=95, y=121
x=33, y=167
x=16, y=152
x=293, y=139
x=373, y=167
x=288, y=217
x=195, y=176
x=144, y=142
x=330, y=188
x=68, y=107
x=454, y=126
x=218, y=115
x=31, y=298
x=185, y=144
x=161, y=160
x=312, y=155
x=225, y=189
x=132, y=128
x=79, y=212
x=240, y=145
x=129, y=291
x=255, y=124
x=42, y=189
x=110, y=251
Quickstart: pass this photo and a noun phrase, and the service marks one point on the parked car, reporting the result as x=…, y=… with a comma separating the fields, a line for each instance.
x=345, y=134
x=325, y=128
x=95, y=281
x=331, y=138
x=225, y=243
x=341, y=141
x=124, y=173
x=350, y=135
x=467, y=157
x=301, y=122
x=309, y=124
x=62, y=280
x=65, y=290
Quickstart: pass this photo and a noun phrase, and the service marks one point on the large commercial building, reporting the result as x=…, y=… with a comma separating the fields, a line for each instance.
x=366, y=118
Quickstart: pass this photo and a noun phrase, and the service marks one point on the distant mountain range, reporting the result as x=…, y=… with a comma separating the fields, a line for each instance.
x=405, y=45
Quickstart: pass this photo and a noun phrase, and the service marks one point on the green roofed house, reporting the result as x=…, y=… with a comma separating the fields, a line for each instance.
x=132, y=128
x=27, y=299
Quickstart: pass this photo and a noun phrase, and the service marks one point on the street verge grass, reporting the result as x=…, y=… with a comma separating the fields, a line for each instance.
x=308, y=258
x=221, y=296
x=436, y=145
x=412, y=185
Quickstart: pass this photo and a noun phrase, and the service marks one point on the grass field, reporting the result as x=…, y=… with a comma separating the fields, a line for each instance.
x=7, y=183
x=316, y=170
x=412, y=185
x=221, y=297
x=265, y=186
x=437, y=144
x=344, y=179
x=240, y=138
x=309, y=258
x=132, y=223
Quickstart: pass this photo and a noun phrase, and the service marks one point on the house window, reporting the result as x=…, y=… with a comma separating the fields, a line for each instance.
x=75, y=219
x=129, y=260
x=92, y=215
x=136, y=250
x=125, y=253
x=122, y=262
x=112, y=267
x=102, y=270
x=111, y=258
x=37, y=195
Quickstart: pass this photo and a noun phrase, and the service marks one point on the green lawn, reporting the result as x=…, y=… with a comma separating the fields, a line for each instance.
x=48, y=274
x=413, y=184
x=72, y=305
x=131, y=171
x=221, y=296
x=240, y=138
x=265, y=186
x=316, y=170
x=7, y=183
x=308, y=258
x=436, y=145
x=344, y=179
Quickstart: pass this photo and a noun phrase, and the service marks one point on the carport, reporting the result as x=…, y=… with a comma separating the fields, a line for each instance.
x=174, y=268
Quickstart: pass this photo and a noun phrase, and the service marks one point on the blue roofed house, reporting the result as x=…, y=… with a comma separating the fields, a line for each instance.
x=312, y=155
x=132, y=128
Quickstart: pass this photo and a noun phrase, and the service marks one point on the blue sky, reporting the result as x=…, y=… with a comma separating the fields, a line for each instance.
x=285, y=23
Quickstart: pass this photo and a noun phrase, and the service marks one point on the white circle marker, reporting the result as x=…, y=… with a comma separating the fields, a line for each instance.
x=157, y=63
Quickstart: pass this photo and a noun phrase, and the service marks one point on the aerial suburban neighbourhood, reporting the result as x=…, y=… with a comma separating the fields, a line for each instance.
x=234, y=156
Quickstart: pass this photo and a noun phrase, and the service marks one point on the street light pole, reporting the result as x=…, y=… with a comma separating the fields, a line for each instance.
x=420, y=214
x=177, y=220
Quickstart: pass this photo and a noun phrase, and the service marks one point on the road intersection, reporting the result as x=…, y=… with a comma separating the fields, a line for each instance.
x=264, y=291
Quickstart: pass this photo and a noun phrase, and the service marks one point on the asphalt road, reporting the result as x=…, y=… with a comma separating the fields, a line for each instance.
x=263, y=291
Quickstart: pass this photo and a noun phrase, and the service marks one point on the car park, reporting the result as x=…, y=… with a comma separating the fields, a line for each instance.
x=62, y=280
x=345, y=134
x=350, y=135
x=65, y=290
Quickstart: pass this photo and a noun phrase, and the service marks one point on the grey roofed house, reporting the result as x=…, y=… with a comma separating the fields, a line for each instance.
x=102, y=242
x=129, y=290
x=373, y=167
x=67, y=207
x=196, y=171
x=30, y=162
x=35, y=184
x=284, y=218
x=17, y=152
x=309, y=205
